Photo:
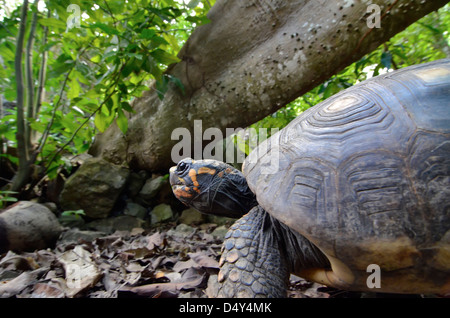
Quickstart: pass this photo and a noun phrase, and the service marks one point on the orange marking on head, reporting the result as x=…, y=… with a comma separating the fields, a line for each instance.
x=182, y=193
x=206, y=170
x=193, y=175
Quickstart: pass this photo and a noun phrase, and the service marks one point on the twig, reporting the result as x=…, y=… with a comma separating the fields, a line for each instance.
x=55, y=108
x=76, y=131
x=86, y=120
x=109, y=11
x=42, y=71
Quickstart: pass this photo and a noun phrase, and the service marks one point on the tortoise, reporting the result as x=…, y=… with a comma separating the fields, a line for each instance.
x=357, y=183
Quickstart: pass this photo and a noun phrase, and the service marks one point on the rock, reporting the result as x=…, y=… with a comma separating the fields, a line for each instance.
x=191, y=216
x=136, y=210
x=136, y=182
x=94, y=188
x=220, y=220
x=71, y=220
x=219, y=232
x=51, y=206
x=27, y=226
x=76, y=236
x=112, y=224
x=161, y=213
x=152, y=187
x=182, y=230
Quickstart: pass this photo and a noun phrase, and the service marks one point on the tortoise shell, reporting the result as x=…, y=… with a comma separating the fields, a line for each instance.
x=365, y=175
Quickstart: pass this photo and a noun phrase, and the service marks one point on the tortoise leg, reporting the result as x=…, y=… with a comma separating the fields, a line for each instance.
x=251, y=262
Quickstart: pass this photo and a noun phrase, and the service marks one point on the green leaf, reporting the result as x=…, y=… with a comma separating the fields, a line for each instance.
x=126, y=106
x=158, y=41
x=172, y=40
x=122, y=121
x=7, y=51
x=61, y=68
x=101, y=120
x=149, y=65
x=147, y=34
x=198, y=20
x=105, y=28
x=178, y=83
x=331, y=89
x=193, y=3
x=135, y=55
x=430, y=27
x=2, y=192
x=164, y=57
x=386, y=59
x=92, y=93
x=73, y=212
x=162, y=86
x=53, y=23
x=52, y=172
x=74, y=89
x=96, y=59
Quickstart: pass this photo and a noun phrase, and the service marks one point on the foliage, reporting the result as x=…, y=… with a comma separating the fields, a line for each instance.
x=100, y=57
x=424, y=41
x=75, y=213
x=7, y=196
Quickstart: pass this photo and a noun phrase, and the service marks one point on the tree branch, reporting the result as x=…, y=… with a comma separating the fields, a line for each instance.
x=113, y=91
x=76, y=132
x=29, y=75
x=42, y=72
x=55, y=108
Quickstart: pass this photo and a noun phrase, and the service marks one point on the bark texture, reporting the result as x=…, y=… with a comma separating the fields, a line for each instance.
x=252, y=59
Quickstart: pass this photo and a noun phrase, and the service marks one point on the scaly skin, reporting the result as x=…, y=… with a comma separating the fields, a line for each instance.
x=251, y=262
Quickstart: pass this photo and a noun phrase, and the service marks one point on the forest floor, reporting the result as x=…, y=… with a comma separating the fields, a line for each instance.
x=170, y=262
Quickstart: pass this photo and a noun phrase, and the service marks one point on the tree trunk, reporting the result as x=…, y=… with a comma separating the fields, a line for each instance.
x=22, y=143
x=252, y=59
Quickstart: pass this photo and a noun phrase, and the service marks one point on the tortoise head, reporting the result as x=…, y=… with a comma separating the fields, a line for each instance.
x=212, y=187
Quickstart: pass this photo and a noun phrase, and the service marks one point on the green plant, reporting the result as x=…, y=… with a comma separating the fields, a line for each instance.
x=5, y=197
x=74, y=68
x=73, y=213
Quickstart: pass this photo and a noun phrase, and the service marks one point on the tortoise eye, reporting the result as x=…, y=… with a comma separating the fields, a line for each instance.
x=182, y=167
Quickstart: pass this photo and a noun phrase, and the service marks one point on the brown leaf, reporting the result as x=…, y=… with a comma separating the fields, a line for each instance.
x=136, y=231
x=204, y=260
x=16, y=285
x=164, y=290
x=134, y=267
x=81, y=271
x=48, y=290
x=138, y=253
x=157, y=241
x=13, y=261
x=182, y=265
